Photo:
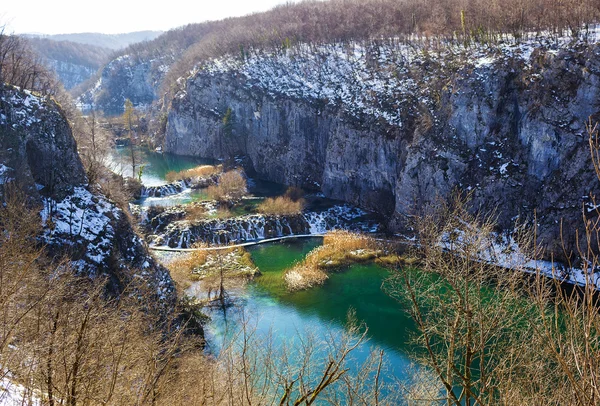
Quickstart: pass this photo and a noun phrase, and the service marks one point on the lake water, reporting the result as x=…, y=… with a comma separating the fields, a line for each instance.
x=155, y=164
x=321, y=311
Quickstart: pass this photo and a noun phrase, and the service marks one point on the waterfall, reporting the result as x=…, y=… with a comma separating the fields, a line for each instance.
x=257, y=226
x=341, y=217
x=165, y=190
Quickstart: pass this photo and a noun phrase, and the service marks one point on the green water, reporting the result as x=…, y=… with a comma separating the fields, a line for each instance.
x=358, y=287
x=321, y=310
x=155, y=165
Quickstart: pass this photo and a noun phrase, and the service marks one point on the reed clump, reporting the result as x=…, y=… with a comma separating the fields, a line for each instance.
x=202, y=171
x=339, y=249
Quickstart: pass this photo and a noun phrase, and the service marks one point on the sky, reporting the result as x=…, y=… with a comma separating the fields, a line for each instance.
x=118, y=16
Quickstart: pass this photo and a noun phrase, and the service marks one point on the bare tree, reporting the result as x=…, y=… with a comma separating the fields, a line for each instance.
x=472, y=319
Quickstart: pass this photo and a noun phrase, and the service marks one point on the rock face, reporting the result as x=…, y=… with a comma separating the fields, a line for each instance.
x=71, y=74
x=126, y=77
x=37, y=145
x=38, y=153
x=392, y=130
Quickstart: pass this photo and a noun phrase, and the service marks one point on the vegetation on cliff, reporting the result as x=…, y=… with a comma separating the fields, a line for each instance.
x=172, y=55
x=487, y=334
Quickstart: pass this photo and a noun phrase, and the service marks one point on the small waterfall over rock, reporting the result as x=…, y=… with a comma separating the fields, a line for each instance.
x=183, y=234
x=165, y=190
x=176, y=233
x=340, y=217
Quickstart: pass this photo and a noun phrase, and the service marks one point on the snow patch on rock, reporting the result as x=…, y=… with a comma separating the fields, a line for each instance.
x=81, y=218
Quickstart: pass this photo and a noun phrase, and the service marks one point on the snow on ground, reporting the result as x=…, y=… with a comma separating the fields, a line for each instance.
x=4, y=172
x=13, y=394
x=81, y=217
x=504, y=251
x=24, y=106
x=85, y=221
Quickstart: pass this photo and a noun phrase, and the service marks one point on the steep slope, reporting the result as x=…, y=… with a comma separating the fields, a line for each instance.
x=322, y=22
x=127, y=77
x=38, y=153
x=391, y=128
x=137, y=72
x=73, y=63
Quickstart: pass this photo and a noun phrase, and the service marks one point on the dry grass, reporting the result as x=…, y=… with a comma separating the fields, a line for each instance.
x=394, y=260
x=303, y=277
x=339, y=249
x=281, y=205
x=181, y=268
x=201, y=171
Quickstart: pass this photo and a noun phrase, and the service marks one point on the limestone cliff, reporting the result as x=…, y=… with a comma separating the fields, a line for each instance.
x=39, y=154
x=392, y=128
x=126, y=77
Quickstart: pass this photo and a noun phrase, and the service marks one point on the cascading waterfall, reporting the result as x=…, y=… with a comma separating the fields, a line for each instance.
x=165, y=190
x=183, y=234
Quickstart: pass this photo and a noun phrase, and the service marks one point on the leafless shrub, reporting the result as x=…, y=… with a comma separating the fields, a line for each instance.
x=231, y=186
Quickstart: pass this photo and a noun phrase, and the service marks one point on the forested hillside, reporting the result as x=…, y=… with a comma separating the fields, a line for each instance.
x=314, y=22
x=110, y=41
x=72, y=62
x=440, y=159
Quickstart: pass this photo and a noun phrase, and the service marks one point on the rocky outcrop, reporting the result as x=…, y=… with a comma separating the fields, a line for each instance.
x=126, y=77
x=38, y=153
x=392, y=129
x=37, y=146
x=71, y=74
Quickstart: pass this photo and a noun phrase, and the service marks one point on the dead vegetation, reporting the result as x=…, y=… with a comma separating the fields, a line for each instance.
x=339, y=249
x=281, y=206
x=231, y=186
x=182, y=267
x=64, y=339
x=202, y=171
x=292, y=202
x=493, y=335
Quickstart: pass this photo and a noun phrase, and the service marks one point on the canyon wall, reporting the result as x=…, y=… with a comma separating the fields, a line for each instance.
x=392, y=129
